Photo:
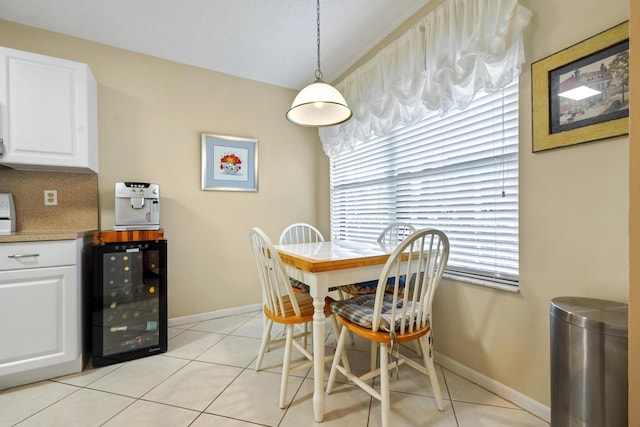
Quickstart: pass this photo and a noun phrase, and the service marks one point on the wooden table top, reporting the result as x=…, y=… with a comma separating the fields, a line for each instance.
x=333, y=255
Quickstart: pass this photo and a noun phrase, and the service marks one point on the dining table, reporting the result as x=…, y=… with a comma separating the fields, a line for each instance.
x=324, y=265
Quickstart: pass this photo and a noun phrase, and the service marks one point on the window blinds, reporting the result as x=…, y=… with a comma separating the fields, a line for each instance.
x=457, y=173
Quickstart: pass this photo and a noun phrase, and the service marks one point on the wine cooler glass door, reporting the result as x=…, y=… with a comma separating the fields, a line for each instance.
x=130, y=301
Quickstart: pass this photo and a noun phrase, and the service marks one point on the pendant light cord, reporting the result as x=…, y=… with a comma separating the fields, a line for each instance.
x=318, y=72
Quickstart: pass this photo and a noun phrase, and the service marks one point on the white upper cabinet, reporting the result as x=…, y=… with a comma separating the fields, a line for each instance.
x=48, y=113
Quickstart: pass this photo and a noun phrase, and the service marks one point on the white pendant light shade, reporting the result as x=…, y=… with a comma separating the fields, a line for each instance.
x=317, y=105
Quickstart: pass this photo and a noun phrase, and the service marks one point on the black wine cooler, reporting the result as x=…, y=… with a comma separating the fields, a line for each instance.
x=129, y=301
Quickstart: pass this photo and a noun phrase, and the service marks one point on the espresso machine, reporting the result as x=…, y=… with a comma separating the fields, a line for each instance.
x=137, y=206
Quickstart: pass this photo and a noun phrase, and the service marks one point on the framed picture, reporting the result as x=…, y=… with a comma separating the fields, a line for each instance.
x=229, y=163
x=581, y=93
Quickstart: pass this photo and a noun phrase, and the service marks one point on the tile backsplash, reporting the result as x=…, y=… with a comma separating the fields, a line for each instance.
x=77, y=207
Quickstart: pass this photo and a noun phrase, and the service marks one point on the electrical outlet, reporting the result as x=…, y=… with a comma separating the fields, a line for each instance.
x=50, y=197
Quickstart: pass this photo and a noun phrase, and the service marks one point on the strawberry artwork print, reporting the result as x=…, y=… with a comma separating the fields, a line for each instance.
x=230, y=164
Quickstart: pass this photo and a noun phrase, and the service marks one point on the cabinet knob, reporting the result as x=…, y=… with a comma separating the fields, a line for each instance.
x=1, y=148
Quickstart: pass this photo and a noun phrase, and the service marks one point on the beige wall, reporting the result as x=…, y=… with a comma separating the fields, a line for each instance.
x=151, y=114
x=573, y=225
x=569, y=199
x=573, y=228
x=634, y=218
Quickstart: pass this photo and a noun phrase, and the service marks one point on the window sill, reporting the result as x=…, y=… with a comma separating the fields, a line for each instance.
x=487, y=283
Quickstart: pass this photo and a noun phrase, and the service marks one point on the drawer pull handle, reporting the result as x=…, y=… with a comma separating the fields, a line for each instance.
x=24, y=255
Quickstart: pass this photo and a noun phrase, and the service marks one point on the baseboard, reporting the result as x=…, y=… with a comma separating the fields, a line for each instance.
x=176, y=321
x=507, y=393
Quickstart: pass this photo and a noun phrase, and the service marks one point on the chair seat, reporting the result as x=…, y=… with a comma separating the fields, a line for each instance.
x=359, y=310
x=363, y=288
x=299, y=286
x=305, y=303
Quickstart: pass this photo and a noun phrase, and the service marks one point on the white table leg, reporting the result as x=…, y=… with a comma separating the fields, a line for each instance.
x=318, y=291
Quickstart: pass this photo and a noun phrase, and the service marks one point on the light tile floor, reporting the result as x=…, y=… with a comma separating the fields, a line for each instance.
x=207, y=378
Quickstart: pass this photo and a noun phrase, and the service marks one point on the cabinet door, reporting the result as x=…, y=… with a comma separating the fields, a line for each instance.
x=48, y=113
x=39, y=314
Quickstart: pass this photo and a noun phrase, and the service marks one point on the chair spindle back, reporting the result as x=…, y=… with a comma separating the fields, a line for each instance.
x=428, y=251
x=300, y=233
x=276, y=287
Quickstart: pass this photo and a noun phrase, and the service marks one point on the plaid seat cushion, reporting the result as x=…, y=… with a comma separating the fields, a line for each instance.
x=359, y=310
x=299, y=285
x=369, y=287
x=303, y=287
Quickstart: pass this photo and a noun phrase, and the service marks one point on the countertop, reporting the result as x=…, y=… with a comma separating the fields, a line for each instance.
x=42, y=235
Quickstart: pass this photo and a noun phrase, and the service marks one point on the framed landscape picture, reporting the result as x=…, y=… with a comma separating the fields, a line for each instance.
x=581, y=94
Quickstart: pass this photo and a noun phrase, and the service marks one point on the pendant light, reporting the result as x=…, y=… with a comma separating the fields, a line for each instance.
x=319, y=104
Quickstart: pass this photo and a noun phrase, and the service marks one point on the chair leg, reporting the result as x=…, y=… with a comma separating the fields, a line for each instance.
x=341, y=297
x=306, y=333
x=417, y=348
x=336, y=359
x=266, y=339
x=433, y=377
x=286, y=363
x=352, y=338
x=374, y=353
x=336, y=328
x=384, y=386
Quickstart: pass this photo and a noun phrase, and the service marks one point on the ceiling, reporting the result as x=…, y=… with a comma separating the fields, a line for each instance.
x=271, y=41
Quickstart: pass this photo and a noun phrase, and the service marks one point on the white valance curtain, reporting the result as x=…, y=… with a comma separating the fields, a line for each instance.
x=460, y=48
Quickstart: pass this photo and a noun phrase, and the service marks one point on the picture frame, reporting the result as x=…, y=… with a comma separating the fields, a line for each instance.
x=581, y=93
x=229, y=163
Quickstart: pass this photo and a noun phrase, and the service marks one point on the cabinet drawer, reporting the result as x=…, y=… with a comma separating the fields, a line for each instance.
x=22, y=255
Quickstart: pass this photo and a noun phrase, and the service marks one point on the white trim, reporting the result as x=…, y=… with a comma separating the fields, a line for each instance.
x=176, y=321
x=480, y=282
x=507, y=393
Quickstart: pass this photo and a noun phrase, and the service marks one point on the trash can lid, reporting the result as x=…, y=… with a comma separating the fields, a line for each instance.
x=590, y=312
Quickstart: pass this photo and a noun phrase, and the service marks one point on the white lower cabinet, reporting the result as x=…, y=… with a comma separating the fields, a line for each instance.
x=40, y=311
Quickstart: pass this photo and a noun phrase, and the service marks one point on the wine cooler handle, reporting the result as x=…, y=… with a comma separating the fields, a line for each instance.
x=23, y=255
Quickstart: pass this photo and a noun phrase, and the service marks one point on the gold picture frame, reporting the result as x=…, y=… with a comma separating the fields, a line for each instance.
x=581, y=93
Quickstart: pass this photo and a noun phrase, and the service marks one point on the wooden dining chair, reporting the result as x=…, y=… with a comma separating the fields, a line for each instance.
x=281, y=305
x=300, y=232
x=393, y=318
x=392, y=234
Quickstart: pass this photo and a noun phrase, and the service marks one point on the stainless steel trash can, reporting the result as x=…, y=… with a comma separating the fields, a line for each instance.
x=589, y=339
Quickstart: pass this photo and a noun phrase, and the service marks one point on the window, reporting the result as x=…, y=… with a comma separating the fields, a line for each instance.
x=457, y=173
